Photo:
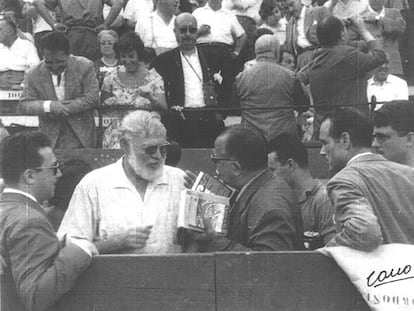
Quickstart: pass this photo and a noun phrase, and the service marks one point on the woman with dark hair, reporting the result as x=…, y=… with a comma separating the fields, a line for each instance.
x=270, y=12
x=131, y=85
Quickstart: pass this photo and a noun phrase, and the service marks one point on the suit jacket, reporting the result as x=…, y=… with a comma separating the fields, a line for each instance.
x=35, y=269
x=373, y=200
x=265, y=217
x=170, y=67
x=390, y=28
x=81, y=88
x=313, y=16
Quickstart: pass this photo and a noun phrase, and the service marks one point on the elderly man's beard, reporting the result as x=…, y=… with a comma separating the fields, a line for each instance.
x=140, y=170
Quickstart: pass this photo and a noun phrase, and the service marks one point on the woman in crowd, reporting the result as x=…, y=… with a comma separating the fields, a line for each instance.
x=131, y=86
x=108, y=62
x=270, y=12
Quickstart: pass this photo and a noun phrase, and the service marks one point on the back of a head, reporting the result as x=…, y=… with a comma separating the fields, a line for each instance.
x=247, y=145
x=289, y=147
x=267, y=46
x=143, y=124
x=55, y=41
x=354, y=123
x=398, y=115
x=329, y=31
x=20, y=152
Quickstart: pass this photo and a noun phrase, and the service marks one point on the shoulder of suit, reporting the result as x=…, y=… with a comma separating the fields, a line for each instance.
x=81, y=60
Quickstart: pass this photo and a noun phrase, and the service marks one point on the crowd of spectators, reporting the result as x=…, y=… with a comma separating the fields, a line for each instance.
x=333, y=58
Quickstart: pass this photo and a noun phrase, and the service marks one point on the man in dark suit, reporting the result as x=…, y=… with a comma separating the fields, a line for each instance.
x=187, y=77
x=63, y=91
x=265, y=215
x=36, y=268
x=301, y=39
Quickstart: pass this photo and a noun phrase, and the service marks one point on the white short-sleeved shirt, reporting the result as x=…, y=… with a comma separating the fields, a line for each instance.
x=394, y=88
x=19, y=57
x=106, y=201
x=223, y=24
x=155, y=33
x=136, y=8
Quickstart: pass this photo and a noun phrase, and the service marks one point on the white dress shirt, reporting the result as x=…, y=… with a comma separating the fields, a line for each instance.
x=136, y=8
x=224, y=25
x=193, y=80
x=394, y=88
x=19, y=57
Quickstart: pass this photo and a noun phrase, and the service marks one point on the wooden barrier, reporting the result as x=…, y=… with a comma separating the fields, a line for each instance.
x=191, y=159
x=221, y=282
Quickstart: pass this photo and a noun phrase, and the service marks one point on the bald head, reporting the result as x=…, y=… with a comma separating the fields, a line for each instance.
x=186, y=31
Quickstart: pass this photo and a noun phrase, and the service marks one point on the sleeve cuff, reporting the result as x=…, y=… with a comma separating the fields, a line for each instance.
x=83, y=244
x=46, y=105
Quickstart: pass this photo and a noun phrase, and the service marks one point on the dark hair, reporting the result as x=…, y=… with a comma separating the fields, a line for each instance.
x=246, y=145
x=354, y=123
x=399, y=115
x=129, y=42
x=329, y=31
x=267, y=7
x=289, y=147
x=284, y=50
x=55, y=41
x=260, y=32
x=20, y=152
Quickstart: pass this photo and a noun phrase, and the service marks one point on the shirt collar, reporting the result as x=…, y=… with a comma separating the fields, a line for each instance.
x=27, y=195
x=358, y=156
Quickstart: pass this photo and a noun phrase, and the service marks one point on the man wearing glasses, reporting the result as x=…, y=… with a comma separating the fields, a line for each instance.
x=36, y=268
x=187, y=76
x=130, y=206
x=394, y=132
x=265, y=215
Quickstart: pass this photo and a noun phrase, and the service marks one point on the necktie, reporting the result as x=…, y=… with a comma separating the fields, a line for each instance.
x=59, y=78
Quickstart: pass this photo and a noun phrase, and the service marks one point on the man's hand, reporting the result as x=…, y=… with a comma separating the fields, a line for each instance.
x=371, y=18
x=130, y=239
x=58, y=109
x=358, y=22
x=204, y=30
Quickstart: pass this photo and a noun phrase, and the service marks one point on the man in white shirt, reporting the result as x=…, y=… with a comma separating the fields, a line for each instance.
x=36, y=267
x=344, y=9
x=186, y=71
x=221, y=38
x=386, y=87
x=16, y=54
x=130, y=206
x=156, y=29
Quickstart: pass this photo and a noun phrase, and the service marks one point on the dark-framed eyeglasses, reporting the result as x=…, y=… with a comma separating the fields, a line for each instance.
x=382, y=69
x=216, y=159
x=380, y=137
x=191, y=29
x=153, y=149
x=53, y=167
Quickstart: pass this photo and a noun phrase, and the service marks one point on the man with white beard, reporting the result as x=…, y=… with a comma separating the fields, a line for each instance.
x=130, y=206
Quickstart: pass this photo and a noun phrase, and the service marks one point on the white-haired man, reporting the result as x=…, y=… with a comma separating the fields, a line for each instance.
x=130, y=206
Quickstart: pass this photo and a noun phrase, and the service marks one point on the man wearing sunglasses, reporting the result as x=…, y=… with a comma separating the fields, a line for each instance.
x=265, y=215
x=393, y=134
x=185, y=73
x=130, y=206
x=36, y=268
